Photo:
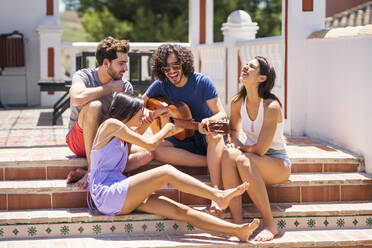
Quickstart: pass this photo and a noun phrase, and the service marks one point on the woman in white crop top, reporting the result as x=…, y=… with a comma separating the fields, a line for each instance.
x=257, y=152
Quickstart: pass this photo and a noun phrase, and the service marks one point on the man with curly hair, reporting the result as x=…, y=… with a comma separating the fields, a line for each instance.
x=173, y=67
x=91, y=93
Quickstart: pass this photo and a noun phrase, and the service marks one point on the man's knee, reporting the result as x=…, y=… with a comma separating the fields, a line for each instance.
x=159, y=152
x=91, y=112
x=94, y=107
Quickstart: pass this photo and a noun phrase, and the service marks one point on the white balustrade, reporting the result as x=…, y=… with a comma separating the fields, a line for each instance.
x=357, y=16
x=214, y=65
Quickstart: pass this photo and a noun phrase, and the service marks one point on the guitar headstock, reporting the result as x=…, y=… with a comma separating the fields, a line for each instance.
x=219, y=126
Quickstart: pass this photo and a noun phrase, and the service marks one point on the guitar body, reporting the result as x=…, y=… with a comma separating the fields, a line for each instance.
x=177, y=111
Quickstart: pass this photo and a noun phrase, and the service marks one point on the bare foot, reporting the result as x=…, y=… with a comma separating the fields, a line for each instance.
x=83, y=182
x=215, y=209
x=75, y=175
x=247, y=229
x=267, y=233
x=227, y=195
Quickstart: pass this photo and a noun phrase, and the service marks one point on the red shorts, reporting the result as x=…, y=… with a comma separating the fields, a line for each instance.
x=75, y=140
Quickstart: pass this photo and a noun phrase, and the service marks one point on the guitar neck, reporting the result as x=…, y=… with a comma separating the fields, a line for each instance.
x=187, y=124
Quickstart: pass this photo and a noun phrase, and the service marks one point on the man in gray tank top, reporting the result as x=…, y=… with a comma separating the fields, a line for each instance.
x=91, y=94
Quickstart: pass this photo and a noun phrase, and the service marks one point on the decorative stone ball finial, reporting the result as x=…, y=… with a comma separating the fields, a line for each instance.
x=239, y=17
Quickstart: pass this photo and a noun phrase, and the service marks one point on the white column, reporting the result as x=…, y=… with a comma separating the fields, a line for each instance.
x=194, y=26
x=209, y=22
x=194, y=36
x=300, y=25
x=50, y=32
x=50, y=36
x=194, y=9
x=239, y=27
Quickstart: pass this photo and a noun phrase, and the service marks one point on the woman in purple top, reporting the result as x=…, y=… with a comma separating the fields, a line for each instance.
x=113, y=193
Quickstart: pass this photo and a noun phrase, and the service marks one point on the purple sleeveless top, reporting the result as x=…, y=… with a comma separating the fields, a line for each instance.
x=107, y=185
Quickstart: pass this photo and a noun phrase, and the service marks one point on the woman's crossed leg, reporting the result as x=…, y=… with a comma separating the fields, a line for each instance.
x=140, y=196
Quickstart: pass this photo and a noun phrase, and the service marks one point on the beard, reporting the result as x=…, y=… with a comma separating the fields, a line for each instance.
x=113, y=74
x=175, y=81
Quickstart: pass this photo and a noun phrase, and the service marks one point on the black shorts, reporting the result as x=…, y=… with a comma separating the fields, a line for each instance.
x=195, y=144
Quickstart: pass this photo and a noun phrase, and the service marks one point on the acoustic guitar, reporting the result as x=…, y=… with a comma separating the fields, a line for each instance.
x=181, y=116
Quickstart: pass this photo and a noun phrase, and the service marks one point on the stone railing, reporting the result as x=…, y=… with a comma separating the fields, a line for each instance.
x=213, y=64
x=358, y=16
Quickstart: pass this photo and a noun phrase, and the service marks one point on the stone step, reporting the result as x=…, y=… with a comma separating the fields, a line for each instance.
x=315, y=187
x=79, y=222
x=53, y=169
x=57, y=161
x=354, y=238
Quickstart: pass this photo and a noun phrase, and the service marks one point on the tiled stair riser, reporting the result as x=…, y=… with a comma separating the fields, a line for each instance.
x=78, y=199
x=144, y=227
x=305, y=187
x=95, y=228
x=35, y=171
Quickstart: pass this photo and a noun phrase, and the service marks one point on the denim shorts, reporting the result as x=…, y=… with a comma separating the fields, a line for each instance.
x=195, y=144
x=281, y=154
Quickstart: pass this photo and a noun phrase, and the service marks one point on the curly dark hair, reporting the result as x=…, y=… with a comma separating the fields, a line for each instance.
x=159, y=59
x=108, y=47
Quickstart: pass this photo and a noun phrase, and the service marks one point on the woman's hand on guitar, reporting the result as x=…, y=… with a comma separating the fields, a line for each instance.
x=151, y=115
x=160, y=112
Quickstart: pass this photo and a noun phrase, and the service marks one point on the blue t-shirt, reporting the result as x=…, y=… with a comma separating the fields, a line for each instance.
x=198, y=89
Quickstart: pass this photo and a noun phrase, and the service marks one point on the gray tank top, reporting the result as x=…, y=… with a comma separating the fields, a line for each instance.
x=90, y=78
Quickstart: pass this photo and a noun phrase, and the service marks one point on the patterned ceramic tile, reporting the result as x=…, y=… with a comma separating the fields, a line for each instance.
x=164, y=226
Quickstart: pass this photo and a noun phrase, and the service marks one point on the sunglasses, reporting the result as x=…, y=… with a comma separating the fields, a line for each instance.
x=176, y=67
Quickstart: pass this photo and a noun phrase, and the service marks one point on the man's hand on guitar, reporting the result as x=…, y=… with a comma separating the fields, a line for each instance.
x=208, y=126
x=202, y=126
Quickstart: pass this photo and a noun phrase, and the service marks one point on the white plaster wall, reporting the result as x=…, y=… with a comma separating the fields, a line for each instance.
x=300, y=25
x=13, y=86
x=339, y=88
x=23, y=16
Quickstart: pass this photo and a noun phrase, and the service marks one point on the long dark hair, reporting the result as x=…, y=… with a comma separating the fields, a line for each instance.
x=124, y=106
x=264, y=88
x=159, y=59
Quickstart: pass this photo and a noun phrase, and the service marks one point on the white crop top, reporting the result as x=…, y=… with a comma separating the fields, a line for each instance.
x=251, y=129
